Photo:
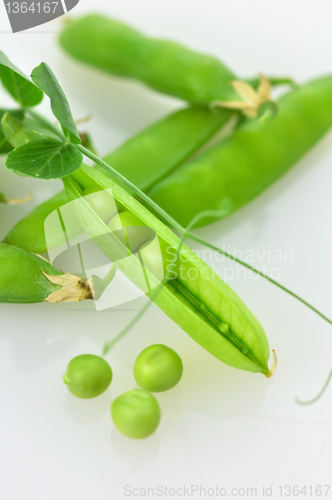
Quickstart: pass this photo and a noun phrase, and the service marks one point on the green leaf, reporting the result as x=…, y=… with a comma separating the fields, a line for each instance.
x=18, y=132
x=44, y=159
x=45, y=79
x=18, y=84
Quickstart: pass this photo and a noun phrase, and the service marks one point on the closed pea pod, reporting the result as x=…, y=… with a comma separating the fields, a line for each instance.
x=121, y=50
x=237, y=170
x=144, y=159
x=136, y=414
x=26, y=278
x=29, y=232
x=151, y=155
x=251, y=159
x=163, y=65
x=22, y=278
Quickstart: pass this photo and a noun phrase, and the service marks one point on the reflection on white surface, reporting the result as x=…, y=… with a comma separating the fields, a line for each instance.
x=87, y=411
x=220, y=426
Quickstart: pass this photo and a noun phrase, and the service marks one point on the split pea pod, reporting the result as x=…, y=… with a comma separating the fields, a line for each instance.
x=144, y=159
x=197, y=299
x=251, y=159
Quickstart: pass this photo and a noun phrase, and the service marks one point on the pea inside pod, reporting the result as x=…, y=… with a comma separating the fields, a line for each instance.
x=101, y=202
x=144, y=159
x=197, y=299
x=153, y=256
x=130, y=230
x=136, y=414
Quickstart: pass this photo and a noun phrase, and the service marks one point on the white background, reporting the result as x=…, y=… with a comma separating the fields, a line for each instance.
x=220, y=426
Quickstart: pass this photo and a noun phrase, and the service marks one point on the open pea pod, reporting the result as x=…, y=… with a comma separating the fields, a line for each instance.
x=197, y=299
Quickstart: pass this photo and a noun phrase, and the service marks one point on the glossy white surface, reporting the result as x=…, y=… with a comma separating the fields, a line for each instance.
x=221, y=427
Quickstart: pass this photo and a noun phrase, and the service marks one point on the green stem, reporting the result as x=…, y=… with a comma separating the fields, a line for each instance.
x=319, y=395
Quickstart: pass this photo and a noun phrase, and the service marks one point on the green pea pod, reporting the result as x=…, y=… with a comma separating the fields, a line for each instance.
x=197, y=299
x=154, y=153
x=26, y=278
x=165, y=66
x=29, y=232
x=144, y=159
x=251, y=159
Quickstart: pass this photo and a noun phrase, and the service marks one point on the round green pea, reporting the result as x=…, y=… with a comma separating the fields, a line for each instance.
x=158, y=368
x=87, y=376
x=101, y=201
x=136, y=413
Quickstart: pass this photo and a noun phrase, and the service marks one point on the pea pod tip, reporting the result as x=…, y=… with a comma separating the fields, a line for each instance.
x=274, y=365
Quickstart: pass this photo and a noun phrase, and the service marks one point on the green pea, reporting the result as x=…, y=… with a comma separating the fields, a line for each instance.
x=158, y=368
x=130, y=230
x=101, y=202
x=136, y=413
x=87, y=376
